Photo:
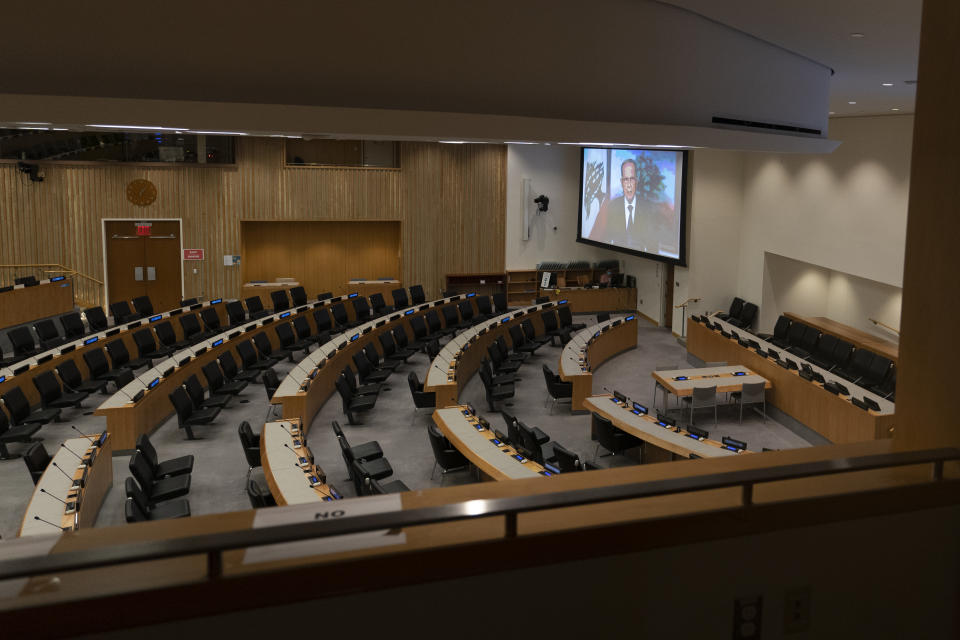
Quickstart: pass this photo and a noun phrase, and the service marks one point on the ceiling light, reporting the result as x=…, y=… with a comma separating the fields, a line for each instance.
x=60, y=129
x=452, y=141
x=34, y=128
x=851, y=102
x=519, y=142
x=895, y=109
x=132, y=126
x=856, y=35
x=32, y=123
x=887, y=84
x=218, y=133
x=832, y=112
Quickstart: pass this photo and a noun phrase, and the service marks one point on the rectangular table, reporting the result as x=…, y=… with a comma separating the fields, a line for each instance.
x=724, y=377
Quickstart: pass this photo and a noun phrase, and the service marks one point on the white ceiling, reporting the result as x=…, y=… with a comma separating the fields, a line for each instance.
x=820, y=30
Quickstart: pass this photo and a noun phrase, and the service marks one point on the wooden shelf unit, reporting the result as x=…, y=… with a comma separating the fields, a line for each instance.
x=522, y=287
x=483, y=284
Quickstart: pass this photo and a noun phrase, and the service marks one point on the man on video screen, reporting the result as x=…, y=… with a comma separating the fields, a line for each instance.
x=643, y=217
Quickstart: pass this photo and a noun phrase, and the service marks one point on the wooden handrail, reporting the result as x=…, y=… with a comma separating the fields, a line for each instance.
x=686, y=302
x=884, y=325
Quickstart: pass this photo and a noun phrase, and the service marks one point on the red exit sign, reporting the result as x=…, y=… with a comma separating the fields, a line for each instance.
x=193, y=254
x=143, y=228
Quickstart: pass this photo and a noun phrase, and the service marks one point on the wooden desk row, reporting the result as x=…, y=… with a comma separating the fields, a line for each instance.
x=584, y=300
x=23, y=372
x=856, y=337
x=497, y=460
x=127, y=420
x=460, y=358
x=832, y=416
x=82, y=484
x=590, y=348
x=661, y=442
x=288, y=465
x=302, y=396
x=23, y=304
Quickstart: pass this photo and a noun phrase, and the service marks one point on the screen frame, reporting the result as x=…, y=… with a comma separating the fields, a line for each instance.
x=685, y=163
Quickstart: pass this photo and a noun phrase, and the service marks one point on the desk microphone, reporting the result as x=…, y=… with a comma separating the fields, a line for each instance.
x=69, y=477
x=50, y=523
x=84, y=435
x=297, y=455
x=74, y=454
x=284, y=427
x=45, y=492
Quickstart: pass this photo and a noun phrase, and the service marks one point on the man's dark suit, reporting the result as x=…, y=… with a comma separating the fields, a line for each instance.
x=654, y=226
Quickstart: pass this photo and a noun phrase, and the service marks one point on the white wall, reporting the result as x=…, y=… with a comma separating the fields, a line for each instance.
x=714, y=210
x=812, y=290
x=845, y=211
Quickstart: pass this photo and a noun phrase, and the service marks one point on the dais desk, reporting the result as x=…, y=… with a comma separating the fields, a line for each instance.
x=24, y=304
x=586, y=300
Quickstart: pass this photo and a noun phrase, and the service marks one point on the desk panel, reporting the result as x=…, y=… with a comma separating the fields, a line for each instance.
x=26, y=304
x=585, y=353
x=593, y=300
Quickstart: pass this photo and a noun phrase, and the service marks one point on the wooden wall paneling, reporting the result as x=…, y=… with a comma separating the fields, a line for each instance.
x=450, y=201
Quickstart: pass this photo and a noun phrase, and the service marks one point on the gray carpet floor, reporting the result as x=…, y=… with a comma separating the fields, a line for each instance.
x=218, y=481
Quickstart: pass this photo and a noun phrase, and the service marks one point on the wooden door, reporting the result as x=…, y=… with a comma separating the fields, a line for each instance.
x=162, y=265
x=144, y=265
x=668, y=298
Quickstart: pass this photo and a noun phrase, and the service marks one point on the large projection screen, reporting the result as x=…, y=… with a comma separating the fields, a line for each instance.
x=634, y=201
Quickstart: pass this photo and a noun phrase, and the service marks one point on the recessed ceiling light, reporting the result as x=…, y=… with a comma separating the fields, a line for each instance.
x=851, y=102
x=832, y=112
x=887, y=84
x=218, y=133
x=895, y=109
x=856, y=35
x=136, y=127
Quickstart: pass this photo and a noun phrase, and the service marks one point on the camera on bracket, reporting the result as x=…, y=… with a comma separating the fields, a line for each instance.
x=542, y=203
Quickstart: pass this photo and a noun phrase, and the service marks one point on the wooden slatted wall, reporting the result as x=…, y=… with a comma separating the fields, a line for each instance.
x=450, y=199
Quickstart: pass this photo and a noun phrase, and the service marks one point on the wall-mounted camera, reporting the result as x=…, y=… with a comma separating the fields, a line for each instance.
x=542, y=202
x=32, y=170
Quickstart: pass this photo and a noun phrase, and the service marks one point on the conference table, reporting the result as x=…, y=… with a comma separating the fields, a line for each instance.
x=461, y=357
x=593, y=300
x=681, y=382
x=661, y=442
x=306, y=388
x=288, y=465
x=143, y=405
x=80, y=482
x=22, y=304
x=833, y=416
x=496, y=459
x=590, y=348
x=21, y=373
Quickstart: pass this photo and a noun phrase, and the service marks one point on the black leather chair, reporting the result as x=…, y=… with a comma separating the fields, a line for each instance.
x=495, y=377
x=70, y=374
x=452, y=319
x=566, y=460
x=235, y=313
x=251, y=446
x=610, y=438
x=375, y=487
x=322, y=319
x=378, y=363
x=390, y=349
x=232, y=372
x=735, y=308
x=143, y=306
x=52, y=394
x=304, y=333
x=421, y=399
x=326, y=295
x=259, y=493
x=435, y=326
x=361, y=309
x=147, y=348
x=37, y=460
x=495, y=392
x=288, y=341
x=298, y=296
x=187, y=417
x=10, y=435
x=417, y=296
x=779, y=335
x=198, y=396
x=745, y=318
x=365, y=472
x=19, y=407
x=566, y=319
x=445, y=455
x=218, y=384
x=366, y=371
x=399, y=299
x=500, y=303
x=353, y=404
x=48, y=334
x=120, y=357
x=163, y=468
x=137, y=507
x=530, y=333
x=192, y=331
x=366, y=452
x=122, y=312
x=280, y=300
x=23, y=343
x=822, y=356
x=484, y=308
x=357, y=389
x=557, y=389
x=379, y=305
x=251, y=360
x=157, y=489
x=73, y=328
x=96, y=319
x=520, y=342
x=168, y=338
x=188, y=302
x=255, y=309
x=500, y=364
x=211, y=320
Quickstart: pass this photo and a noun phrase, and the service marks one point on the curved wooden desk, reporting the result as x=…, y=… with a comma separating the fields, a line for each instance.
x=590, y=348
x=460, y=358
x=128, y=419
x=96, y=479
x=290, y=481
x=479, y=445
x=22, y=304
x=856, y=337
x=833, y=416
x=661, y=443
x=21, y=374
x=302, y=396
